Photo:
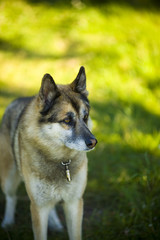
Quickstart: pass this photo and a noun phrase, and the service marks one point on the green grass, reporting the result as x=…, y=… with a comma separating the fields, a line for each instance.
x=119, y=45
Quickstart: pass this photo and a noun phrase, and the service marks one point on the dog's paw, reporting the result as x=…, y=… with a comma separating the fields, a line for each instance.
x=6, y=223
x=54, y=223
x=55, y=227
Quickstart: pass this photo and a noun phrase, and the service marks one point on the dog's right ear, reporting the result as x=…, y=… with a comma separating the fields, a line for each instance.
x=48, y=93
x=79, y=84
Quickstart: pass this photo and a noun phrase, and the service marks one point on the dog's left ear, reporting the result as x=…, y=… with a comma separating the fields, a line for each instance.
x=48, y=93
x=79, y=84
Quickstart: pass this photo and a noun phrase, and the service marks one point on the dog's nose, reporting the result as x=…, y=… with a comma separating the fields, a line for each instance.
x=91, y=143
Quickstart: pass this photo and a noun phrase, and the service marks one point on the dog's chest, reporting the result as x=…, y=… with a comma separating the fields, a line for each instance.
x=44, y=191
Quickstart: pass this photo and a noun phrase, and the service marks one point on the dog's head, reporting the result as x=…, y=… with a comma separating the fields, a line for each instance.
x=64, y=113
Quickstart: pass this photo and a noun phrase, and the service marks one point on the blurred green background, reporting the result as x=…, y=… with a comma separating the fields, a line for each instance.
x=118, y=42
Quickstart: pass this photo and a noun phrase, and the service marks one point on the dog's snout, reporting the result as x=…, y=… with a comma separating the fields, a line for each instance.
x=91, y=143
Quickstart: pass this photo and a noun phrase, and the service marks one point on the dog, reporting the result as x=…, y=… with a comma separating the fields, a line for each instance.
x=43, y=141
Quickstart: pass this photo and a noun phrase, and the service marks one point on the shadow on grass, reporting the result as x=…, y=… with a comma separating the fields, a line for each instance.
x=123, y=193
x=115, y=116
x=136, y=4
x=6, y=94
x=7, y=46
x=153, y=84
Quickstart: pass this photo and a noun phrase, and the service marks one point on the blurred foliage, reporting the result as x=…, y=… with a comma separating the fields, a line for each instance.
x=118, y=43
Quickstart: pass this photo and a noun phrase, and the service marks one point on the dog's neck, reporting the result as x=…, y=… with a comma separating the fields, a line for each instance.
x=51, y=167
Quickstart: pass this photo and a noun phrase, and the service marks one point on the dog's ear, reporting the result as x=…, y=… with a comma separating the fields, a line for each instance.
x=79, y=84
x=48, y=93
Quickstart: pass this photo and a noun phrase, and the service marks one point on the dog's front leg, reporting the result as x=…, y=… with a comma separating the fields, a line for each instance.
x=40, y=221
x=73, y=213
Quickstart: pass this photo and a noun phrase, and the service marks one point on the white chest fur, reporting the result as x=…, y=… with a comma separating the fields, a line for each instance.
x=44, y=192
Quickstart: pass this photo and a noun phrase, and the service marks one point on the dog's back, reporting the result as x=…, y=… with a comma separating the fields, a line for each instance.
x=12, y=115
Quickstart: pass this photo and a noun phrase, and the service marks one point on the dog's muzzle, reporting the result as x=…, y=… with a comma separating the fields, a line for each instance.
x=91, y=143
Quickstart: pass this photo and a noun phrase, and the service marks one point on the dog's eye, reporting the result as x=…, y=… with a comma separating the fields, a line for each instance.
x=67, y=120
x=85, y=118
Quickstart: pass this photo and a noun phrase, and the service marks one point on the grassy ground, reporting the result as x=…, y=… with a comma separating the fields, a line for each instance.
x=120, y=47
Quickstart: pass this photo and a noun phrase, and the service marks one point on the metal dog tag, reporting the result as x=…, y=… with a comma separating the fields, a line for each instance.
x=68, y=175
